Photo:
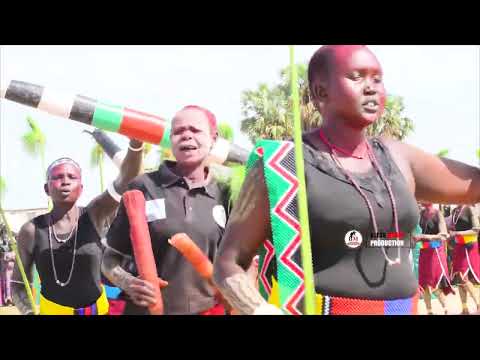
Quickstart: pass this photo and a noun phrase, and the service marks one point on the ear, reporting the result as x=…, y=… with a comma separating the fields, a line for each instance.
x=319, y=95
x=45, y=188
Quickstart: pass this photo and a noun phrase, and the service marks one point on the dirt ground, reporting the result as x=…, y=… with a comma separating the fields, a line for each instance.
x=454, y=306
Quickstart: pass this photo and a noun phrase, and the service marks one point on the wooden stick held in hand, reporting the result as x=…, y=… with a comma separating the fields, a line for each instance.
x=193, y=254
x=200, y=262
x=134, y=202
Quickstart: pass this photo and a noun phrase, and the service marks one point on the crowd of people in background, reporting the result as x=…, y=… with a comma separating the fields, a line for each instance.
x=448, y=258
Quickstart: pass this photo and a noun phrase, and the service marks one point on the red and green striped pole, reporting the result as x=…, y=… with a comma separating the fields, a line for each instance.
x=110, y=117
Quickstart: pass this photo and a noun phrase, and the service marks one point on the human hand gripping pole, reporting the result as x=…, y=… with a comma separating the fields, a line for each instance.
x=134, y=202
x=200, y=262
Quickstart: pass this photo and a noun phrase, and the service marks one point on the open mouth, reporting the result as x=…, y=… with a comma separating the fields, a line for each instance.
x=370, y=106
x=65, y=192
x=188, y=148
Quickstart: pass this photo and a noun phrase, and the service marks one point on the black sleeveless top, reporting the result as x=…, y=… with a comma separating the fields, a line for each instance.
x=84, y=287
x=464, y=222
x=430, y=226
x=336, y=207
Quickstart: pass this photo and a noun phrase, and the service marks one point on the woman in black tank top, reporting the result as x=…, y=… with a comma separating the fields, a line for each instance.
x=353, y=183
x=466, y=259
x=65, y=245
x=433, y=273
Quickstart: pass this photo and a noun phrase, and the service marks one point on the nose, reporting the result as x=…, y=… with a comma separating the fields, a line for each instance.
x=186, y=135
x=369, y=89
x=66, y=180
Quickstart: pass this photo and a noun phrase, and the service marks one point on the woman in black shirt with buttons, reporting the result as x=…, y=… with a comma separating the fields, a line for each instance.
x=180, y=197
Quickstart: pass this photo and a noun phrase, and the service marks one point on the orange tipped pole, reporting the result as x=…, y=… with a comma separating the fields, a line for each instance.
x=200, y=262
x=193, y=254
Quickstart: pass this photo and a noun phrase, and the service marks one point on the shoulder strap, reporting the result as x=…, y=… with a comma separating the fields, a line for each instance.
x=278, y=159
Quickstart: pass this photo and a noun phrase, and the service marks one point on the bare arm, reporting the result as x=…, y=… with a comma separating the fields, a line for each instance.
x=247, y=228
x=434, y=179
x=25, y=245
x=103, y=207
x=440, y=180
x=442, y=225
x=141, y=292
x=113, y=270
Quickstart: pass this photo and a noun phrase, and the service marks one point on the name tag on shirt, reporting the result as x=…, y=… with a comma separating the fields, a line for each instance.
x=219, y=215
x=155, y=210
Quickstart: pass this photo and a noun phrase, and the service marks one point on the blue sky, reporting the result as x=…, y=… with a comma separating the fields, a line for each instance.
x=440, y=86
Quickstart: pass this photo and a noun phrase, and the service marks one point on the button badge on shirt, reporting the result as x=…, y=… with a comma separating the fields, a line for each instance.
x=219, y=215
x=155, y=210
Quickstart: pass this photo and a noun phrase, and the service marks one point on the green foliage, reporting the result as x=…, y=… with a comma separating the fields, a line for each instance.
x=225, y=131
x=34, y=140
x=147, y=148
x=3, y=188
x=96, y=156
x=392, y=123
x=442, y=153
x=236, y=181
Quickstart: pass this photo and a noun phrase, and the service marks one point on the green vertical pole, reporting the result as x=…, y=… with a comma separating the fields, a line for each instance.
x=307, y=263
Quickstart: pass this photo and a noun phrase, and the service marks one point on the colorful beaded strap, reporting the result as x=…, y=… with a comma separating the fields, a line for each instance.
x=330, y=305
x=465, y=239
x=432, y=244
x=281, y=259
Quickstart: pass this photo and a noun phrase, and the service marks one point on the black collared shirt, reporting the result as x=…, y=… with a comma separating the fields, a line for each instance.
x=171, y=208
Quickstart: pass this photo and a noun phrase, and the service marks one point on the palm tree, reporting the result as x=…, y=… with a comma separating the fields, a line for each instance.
x=311, y=118
x=97, y=156
x=266, y=114
x=3, y=188
x=34, y=143
x=225, y=131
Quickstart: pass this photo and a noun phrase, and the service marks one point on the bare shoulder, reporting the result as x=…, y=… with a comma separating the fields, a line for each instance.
x=394, y=144
x=27, y=230
x=26, y=236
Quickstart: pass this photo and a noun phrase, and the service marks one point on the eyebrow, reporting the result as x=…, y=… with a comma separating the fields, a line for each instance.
x=377, y=70
x=185, y=127
x=68, y=173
